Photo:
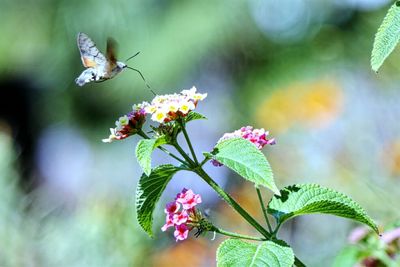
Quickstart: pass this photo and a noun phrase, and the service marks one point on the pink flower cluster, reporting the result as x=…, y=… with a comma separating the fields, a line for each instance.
x=257, y=136
x=182, y=213
x=128, y=125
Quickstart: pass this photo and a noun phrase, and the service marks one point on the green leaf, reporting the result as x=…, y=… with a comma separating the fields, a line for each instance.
x=148, y=192
x=387, y=37
x=144, y=149
x=194, y=116
x=243, y=157
x=312, y=198
x=237, y=253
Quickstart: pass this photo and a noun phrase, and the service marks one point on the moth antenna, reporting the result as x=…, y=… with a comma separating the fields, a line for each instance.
x=132, y=56
x=141, y=75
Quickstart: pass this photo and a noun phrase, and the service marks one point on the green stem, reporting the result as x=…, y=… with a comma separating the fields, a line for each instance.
x=276, y=229
x=204, y=161
x=232, y=202
x=263, y=209
x=231, y=234
x=142, y=134
x=184, y=155
x=298, y=262
x=188, y=141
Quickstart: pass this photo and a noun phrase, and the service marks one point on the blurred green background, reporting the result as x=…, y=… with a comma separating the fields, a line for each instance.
x=299, y=68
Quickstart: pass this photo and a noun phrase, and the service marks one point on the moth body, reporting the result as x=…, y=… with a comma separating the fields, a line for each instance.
x=99, y=67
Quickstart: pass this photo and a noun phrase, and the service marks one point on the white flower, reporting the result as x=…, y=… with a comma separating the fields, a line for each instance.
x=198, y=97
x=150, y=109
x=159, y=116
x=173, y=107
x=111, y=137
x=190, y=93
x=186, y=106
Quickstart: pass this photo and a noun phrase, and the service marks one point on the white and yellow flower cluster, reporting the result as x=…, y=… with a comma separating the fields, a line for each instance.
x=165, y=108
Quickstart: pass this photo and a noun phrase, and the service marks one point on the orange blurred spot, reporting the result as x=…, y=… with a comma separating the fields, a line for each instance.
x=391, y=157
x=314, y=105
x=190, y=252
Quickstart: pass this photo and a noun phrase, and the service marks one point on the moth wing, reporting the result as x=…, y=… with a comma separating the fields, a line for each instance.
x=90, y=55
x=88, y=75
x=111, y=48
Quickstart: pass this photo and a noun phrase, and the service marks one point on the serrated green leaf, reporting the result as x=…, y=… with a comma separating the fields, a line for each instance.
x=194, y=116
x=237, y=253
x=143, y=152
x=387, y=37
x=303, y=199
x=148, y=192
x=243, y=157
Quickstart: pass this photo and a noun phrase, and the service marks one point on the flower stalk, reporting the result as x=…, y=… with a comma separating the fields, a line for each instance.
x=263, y=209
x=182, y=124
x=142, y=134
x=184, y=154
x=236, y=235
x=228, y=199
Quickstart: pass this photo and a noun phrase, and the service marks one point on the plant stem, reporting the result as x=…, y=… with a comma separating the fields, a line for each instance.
x=142, y=134
x=232, y=202
x=298, y=262
x=172, y=155
x=184, y=155
x=276, y=229
x=231, y=234
x=188, y=141
x=204, y=161
x=263, y=209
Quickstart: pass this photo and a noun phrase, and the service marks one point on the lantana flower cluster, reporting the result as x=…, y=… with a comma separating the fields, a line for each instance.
x=182, y=214
x=165, y=108
x=129, y=124
x=257, y=136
